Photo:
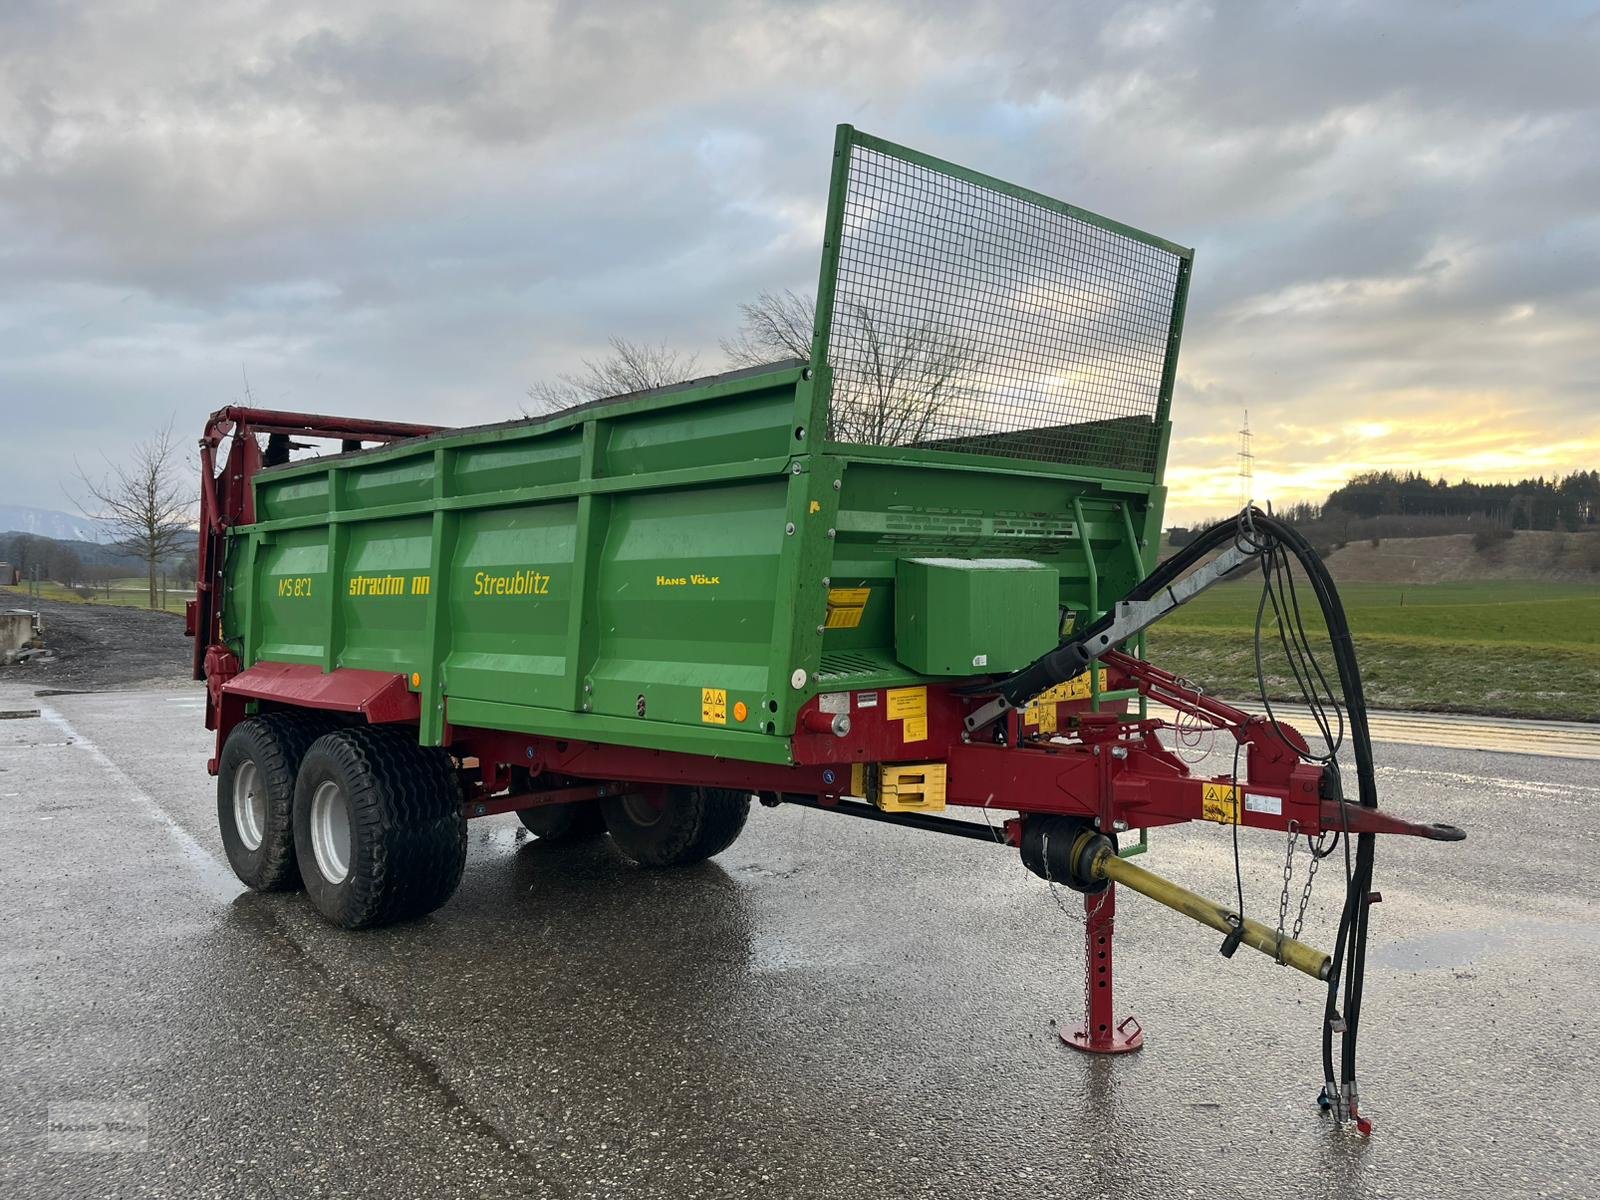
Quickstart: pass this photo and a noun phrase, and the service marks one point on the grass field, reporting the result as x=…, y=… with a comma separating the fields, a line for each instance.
x=134, y=593
x=1503, y=648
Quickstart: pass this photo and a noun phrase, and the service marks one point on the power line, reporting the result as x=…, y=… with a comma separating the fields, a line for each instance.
x=1247, y=464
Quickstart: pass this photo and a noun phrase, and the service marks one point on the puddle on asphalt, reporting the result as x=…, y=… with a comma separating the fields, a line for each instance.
x=500, y=836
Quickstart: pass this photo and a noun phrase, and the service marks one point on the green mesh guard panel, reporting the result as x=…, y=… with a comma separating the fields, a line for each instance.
x=960, y=313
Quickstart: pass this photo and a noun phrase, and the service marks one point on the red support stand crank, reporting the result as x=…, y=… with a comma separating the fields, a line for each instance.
x=1101, y=1032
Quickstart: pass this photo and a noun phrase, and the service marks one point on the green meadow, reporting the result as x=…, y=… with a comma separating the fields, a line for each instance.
x=1514, y=648
x=130, y=593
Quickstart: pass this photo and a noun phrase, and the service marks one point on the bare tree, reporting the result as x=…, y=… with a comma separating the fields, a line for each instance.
x=892, y=387
x=145, y=502
x=773, y=326
x=889, y=387
x=63, y=564
x=630, y=367
x=25, y=552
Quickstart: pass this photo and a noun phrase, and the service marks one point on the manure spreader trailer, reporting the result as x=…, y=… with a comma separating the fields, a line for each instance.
x=906, y=575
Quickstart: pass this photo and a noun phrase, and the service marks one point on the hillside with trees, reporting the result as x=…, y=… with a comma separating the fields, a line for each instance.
x=87, y=567
x=1571, y=502
x=1384, y=526
x=1387, y=504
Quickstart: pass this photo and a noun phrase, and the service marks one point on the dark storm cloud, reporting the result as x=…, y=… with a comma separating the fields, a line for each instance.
x=416, y=209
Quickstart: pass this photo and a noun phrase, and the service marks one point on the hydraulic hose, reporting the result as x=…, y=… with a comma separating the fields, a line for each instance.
x=1351, y=942
x=1072, y=657
x=1266, y=534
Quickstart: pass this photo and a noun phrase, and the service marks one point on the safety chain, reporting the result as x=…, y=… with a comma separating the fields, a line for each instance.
x=1305, y=895
x=1088, y=987
x=1088, y=954
x=1305, y=892
x=1049, y=882
x=1093, y=910
x=1283, y=897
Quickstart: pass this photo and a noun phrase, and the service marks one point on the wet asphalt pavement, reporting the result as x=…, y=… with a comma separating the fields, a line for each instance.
x=831, y=1008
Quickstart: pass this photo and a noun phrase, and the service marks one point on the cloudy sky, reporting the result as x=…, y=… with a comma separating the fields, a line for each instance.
x=416, y=209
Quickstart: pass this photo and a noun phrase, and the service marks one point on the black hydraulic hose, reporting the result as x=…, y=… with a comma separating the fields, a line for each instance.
x=1072, y=657
x=1254, y=527
x=1350, y=948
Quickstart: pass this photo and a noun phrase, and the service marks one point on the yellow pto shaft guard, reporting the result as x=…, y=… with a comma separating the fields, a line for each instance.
x=1301, y=957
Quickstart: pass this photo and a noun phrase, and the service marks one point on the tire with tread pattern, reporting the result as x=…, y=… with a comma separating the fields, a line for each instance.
x=578, y=821
x=689, y=826
x=255, y=796
x=398, y=806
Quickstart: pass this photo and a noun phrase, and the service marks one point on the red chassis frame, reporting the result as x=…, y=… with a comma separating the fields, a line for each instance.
x=1104, y=768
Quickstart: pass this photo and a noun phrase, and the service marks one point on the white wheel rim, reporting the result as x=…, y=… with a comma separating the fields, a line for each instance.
x=330, y=832
x=249, y=805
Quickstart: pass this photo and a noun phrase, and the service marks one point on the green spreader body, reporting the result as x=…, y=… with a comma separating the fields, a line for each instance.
x=683, y=569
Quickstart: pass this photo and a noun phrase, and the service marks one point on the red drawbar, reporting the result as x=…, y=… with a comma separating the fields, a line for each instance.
x=382, y=697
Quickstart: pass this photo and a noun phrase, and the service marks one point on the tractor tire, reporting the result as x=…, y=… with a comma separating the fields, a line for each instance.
x=688, y=826
x=379, y=827
x=578, y=821
x=255, y=796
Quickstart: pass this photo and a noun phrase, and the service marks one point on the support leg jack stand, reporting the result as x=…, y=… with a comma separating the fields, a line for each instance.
x=1101, y=1032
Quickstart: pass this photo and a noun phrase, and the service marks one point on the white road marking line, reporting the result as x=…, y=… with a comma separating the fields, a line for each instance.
x=1565, y=739
x=1555, y=791
x=214, y=873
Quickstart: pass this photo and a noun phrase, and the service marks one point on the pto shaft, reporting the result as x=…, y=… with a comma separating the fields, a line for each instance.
x=1107, y=866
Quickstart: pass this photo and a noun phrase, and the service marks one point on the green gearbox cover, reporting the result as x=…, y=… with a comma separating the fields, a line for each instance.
x=955, y=616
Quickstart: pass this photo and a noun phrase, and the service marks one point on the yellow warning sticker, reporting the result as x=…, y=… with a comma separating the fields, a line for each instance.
x=714, y=706
x=900, y=703
x=915, y=729
x=1079, y=687
x=1042, y=715
x=1076, y=688
x=1219, y=802
x=845, y=606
